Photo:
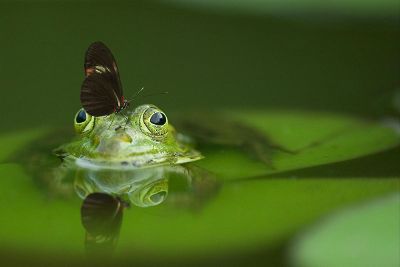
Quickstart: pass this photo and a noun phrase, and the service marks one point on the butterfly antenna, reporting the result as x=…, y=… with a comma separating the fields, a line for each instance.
x=159, y=93
x=152, y=94
x=137, y=94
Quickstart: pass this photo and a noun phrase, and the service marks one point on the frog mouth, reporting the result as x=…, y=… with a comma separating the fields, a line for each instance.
x=138, y=161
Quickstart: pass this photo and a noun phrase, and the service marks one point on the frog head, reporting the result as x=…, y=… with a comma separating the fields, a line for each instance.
x=133, y=139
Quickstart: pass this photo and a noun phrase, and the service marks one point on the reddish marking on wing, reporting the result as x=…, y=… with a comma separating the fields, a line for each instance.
x=89, y=71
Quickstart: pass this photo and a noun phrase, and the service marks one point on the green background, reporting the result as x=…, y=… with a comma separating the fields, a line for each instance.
x=338, y=58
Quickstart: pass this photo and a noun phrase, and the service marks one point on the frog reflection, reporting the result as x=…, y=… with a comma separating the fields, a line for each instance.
x=142, y=187
x=150, y=186
x=107, y=193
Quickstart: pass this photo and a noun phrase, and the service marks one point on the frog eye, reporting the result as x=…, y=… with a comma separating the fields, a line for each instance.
x=80, y=116
x=155, y=121
x=83, y=122
x=158, y=118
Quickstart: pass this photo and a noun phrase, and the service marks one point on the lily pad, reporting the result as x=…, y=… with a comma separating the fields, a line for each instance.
x=316, y=139
x=363, y=235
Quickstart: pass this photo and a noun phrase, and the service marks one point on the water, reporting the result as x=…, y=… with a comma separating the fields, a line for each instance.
x=206, y=60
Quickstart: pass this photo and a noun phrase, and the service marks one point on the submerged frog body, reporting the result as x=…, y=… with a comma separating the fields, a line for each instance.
x=138, y=139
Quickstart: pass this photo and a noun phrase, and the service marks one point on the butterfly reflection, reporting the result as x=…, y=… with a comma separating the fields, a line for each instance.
x=101, y=216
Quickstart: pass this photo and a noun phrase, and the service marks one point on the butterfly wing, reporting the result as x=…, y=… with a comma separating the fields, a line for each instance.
x=99, y=59
x=98, y=97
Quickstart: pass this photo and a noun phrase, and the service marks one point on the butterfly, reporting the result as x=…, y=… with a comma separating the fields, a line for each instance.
x=101, y=91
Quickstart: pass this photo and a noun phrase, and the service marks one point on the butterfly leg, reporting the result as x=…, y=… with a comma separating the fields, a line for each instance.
x=112, y=122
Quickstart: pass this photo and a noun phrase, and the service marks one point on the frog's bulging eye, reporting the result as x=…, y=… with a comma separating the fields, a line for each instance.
x=158, y=118
x=84, y=122
x=155, y=122
x=81, y=116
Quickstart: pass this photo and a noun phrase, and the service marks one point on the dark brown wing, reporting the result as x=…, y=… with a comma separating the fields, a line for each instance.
x=99, y=59
x=101, y=216
x=98, y=97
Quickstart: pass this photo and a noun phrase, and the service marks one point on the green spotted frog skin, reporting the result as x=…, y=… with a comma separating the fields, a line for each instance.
x=134, y=140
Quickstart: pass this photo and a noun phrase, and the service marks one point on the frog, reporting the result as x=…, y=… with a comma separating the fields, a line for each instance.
x=132, y=155
x=138, y=139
